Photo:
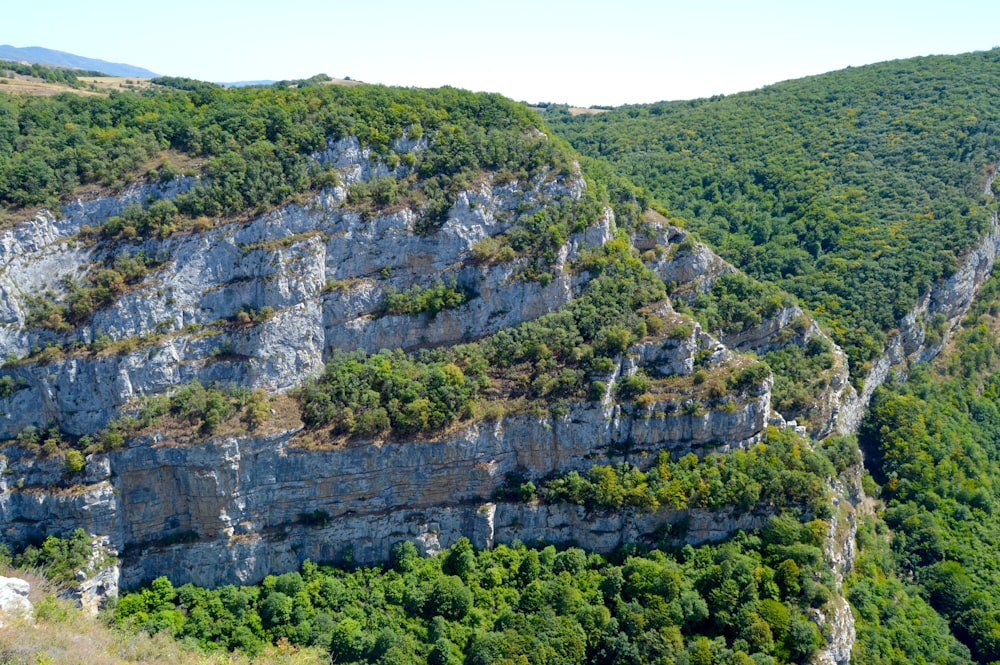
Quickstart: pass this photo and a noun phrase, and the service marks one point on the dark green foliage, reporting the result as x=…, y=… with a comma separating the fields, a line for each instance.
x=450, y=598
x=737, y=303
x=370, y=395
x=782, y=472
x=255, y=143
x=416, y=300
x=206, y=408
x=854, y=190
x=57, y=558
x=582, y=336
x=182, y=83
x=799, y=375
x=933, y=444
x=361, y=395
x=748, y=377
x=10, y=385
x=517, y=605
x=895, y=624
x=633, y=386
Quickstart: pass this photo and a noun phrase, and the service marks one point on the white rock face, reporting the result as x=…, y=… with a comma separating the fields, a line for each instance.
x=322, y=269
x=240, y=508
x=97, y=581
x=238, y=504
x=14, y=603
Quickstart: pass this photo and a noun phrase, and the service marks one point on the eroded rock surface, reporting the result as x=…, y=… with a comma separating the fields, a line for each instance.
x=14, y=603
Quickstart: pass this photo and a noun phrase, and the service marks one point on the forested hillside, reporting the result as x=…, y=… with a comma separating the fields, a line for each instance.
x=361, y=370
x=253, y=144
x=854, y=190
x=931, y=444
x=266, y=178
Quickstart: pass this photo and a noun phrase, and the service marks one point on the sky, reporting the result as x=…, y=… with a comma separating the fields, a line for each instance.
x=581, y=53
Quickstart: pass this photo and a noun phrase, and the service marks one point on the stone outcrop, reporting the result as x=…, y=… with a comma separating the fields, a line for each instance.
x=97, y=582
x=693, y=269
x=228, y=497
x=685, y=263
x=233, y=509
x=320, y=269
x=14, y=603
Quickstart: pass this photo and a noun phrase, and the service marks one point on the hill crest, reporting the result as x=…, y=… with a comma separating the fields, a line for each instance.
x=46, y=56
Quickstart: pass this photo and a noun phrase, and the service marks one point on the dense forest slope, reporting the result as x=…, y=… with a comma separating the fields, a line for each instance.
x=854, y=190
x=932, y=445
x=246, y=330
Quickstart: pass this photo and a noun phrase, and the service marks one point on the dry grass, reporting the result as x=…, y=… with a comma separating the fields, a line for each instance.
x=342, y=82
x=27, y=85
x=96, y=85
x=173, y=430
x=653, y=217
x=576, y=110
x=63, y=634
x=106, y=84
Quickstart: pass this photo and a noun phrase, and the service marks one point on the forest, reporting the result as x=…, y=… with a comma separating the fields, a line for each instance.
x=252, y=145
x=854, y=190
x=933, y=445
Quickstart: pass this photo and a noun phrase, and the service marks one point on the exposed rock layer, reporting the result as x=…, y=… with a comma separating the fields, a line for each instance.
x=226, y=496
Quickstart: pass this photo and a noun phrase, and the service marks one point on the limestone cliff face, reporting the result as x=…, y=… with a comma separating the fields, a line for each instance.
x=321, y=268
x=234, y=509
x=269, y=495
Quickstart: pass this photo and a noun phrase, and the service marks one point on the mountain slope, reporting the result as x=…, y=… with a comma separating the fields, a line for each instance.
x=194, y=369
x=254, y=328
x=46, y=56
x=853, y=190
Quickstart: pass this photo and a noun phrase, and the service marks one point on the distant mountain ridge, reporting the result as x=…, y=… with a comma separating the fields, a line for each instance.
x=45, y=56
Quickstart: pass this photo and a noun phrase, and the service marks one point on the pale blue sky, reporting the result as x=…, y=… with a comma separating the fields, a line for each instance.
x=583, y=52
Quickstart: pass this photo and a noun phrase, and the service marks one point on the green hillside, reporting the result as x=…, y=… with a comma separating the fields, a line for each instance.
x=933, y=444
x=854, y=190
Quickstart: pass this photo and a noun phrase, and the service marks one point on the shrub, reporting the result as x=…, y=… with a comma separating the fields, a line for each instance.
x=633, y=386
x=74, y=462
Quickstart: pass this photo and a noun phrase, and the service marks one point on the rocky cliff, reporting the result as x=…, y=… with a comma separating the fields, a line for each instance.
x=237, y=507
x=321, y=269
x=246, y=506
